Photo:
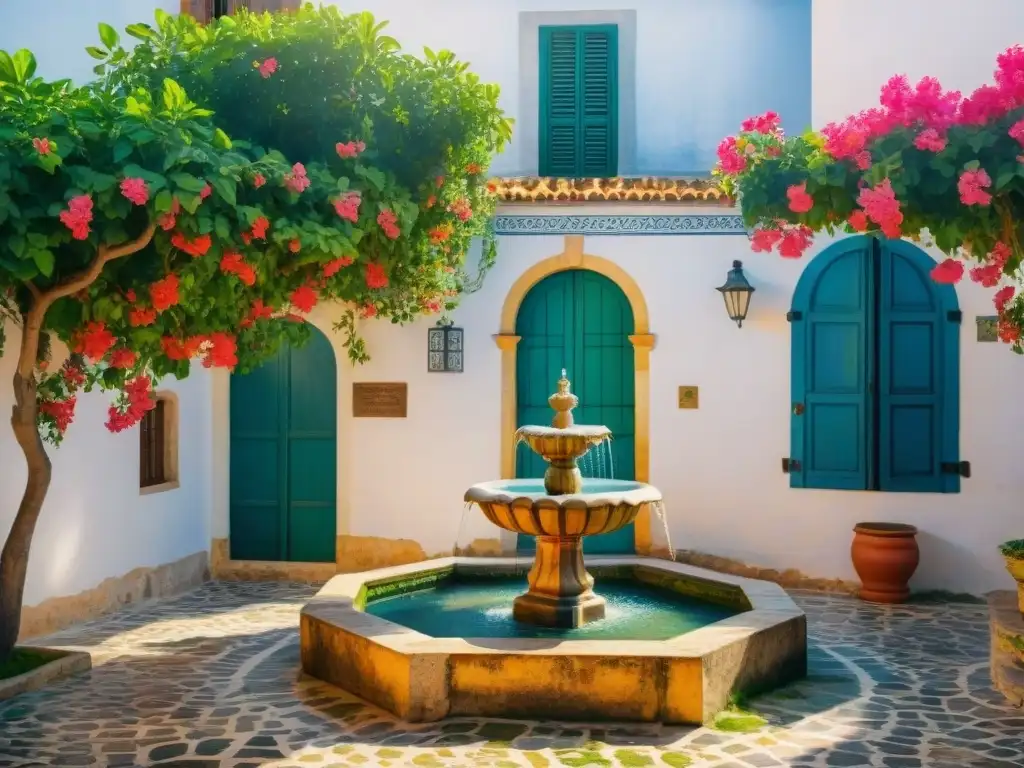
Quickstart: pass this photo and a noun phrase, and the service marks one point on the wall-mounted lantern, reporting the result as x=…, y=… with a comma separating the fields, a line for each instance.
x=737, y=292
x=444, y=349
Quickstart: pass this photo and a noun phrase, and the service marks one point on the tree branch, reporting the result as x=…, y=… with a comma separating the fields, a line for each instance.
x=32, y=289
x=33, y=322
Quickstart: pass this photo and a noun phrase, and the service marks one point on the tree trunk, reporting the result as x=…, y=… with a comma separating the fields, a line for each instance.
x=14, y=557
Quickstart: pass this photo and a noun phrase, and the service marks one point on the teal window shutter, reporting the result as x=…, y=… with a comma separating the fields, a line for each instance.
x=918, y=395
x=831, y=360
x=875, y=372
x=579, y=101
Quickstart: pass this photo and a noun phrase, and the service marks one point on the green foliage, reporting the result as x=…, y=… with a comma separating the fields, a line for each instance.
x=202, y=236
x=1014, y=549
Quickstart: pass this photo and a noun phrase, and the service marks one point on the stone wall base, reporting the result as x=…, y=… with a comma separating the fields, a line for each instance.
x=1006, y=625
x=790, y=578
x=114, y=593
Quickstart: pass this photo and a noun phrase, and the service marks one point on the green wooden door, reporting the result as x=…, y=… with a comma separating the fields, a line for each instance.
x=284, y=456
x=581, y=321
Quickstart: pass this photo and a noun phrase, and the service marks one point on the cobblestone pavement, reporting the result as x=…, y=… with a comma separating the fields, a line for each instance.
x=210, y=680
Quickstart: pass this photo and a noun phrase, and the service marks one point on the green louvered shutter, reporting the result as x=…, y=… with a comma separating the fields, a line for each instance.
x=579, y=101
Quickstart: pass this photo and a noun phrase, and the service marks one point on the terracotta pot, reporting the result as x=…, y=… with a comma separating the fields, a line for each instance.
x=1016, y=568
x=885, y=556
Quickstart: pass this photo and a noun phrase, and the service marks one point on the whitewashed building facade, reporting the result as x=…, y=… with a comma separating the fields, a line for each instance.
x=618, y=287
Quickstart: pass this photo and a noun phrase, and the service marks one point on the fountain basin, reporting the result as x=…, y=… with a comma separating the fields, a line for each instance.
x=686, y=678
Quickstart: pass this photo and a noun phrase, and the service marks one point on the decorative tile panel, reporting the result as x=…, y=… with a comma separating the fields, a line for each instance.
x=678, y=224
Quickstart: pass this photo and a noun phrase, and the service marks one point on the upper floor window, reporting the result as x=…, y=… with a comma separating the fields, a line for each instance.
x=579, y=101
x=875, y=381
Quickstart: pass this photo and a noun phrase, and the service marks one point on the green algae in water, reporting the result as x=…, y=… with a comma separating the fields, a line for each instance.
x=484, y=609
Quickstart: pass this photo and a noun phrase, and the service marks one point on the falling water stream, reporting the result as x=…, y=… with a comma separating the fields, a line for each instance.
x=457, y=548
x=658, y=508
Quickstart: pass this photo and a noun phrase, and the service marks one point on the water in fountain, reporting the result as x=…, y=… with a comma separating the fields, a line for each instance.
x=658, y=509
x=457, y=547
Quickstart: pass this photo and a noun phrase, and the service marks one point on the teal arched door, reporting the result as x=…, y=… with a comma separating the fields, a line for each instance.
x=581, y=321
x=284, y=456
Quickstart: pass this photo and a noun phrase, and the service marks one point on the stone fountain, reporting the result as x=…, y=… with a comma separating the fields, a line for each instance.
x=560, y=514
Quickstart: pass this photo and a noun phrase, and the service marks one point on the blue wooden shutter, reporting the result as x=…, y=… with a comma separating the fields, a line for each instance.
x=579, y=101
x=918, y=351
x=832, y=359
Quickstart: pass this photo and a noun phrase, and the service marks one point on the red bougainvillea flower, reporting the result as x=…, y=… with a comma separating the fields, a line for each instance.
x=78, y=216
x=135, y=190
x=764, y=240
x=1009, y=332
x=61, y=411
x=948, y=272
x=303, y=298
x=181, y=349
x=169, y=220
x=858, y=221
x=930, y=141
x=376, y=277
x=259, y=180
x=164, y=293
x=1002, y=297
x=441, y=233
x=232, y=263
x=795, y=241
x=194, y=248
x=130, y=295
x=73, y=375
x=439, y=182
x=332, y=268
x=473, y=169
x=94, y=341
x=205, y=192
x=43, y=146
x=461, y=209
x=388, y=222
x=260, y=227
x=432, y=305
x=268, y=67
x=221, y=351
x=297, y=181
x=294, y=246
x=132, y=405
x=972, y=186
x=368, y=310
x=767, y=123
x=258, y=311
x=730, y=159
x=431, y=202
x=347, y=206
x=799, y=200
x=349, y=149
x=141, y=316
x=122, y=357
x=991, y=272
x=882, y=207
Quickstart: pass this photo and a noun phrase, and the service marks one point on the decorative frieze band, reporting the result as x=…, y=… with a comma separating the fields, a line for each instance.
x=595, y=224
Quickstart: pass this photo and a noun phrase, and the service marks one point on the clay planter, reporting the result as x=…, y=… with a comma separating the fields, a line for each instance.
x=1015, y=565
x=885, y=556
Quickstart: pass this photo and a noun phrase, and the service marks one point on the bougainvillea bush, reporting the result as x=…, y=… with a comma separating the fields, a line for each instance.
x=926, y=164
x=137, y=237
x=410, y=137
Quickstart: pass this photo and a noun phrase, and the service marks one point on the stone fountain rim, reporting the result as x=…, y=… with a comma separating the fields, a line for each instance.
x=578, y=430
x=491, y=493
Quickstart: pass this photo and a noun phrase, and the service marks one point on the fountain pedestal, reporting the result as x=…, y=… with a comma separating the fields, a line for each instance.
x=561, y=592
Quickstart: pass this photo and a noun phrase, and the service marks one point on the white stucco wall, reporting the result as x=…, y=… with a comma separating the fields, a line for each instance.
x=95, y=524
x=58, y=32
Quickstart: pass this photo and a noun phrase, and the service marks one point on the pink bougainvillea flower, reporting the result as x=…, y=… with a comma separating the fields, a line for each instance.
x=799, y=200
x=767, y=123
x=730, y=160
x=991, y=272
x=461, y=209
x=795, y=241
x=169, y=220
x=259, y=180
x=858, y=221
x=78, y=216
x=376, y=276
x=882, y=207
x=972, y=186
x=764, y=240
x=349, y=149
x=43, y=146
x=297, y=181
x=347, y=206
x=1017, y=131
x=205, y=192
x=135, y=190
x=1002, y=298
x=930, y=141
x=268, y=67
x=948, y=272
x=388, y=222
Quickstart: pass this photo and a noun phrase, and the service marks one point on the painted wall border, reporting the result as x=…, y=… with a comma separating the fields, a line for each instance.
x=573, y=257
x=604, y=224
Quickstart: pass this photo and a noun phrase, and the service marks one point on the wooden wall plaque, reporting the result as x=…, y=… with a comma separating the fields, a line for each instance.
x=380, y=400
x=689, y=397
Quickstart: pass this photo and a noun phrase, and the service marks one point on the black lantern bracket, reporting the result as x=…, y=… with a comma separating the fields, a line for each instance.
x=737, y=292
x=445, y=349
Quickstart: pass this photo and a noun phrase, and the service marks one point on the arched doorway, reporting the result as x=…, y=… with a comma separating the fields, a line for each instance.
x=581, y=321
x=875, y=378
x=283, y=480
